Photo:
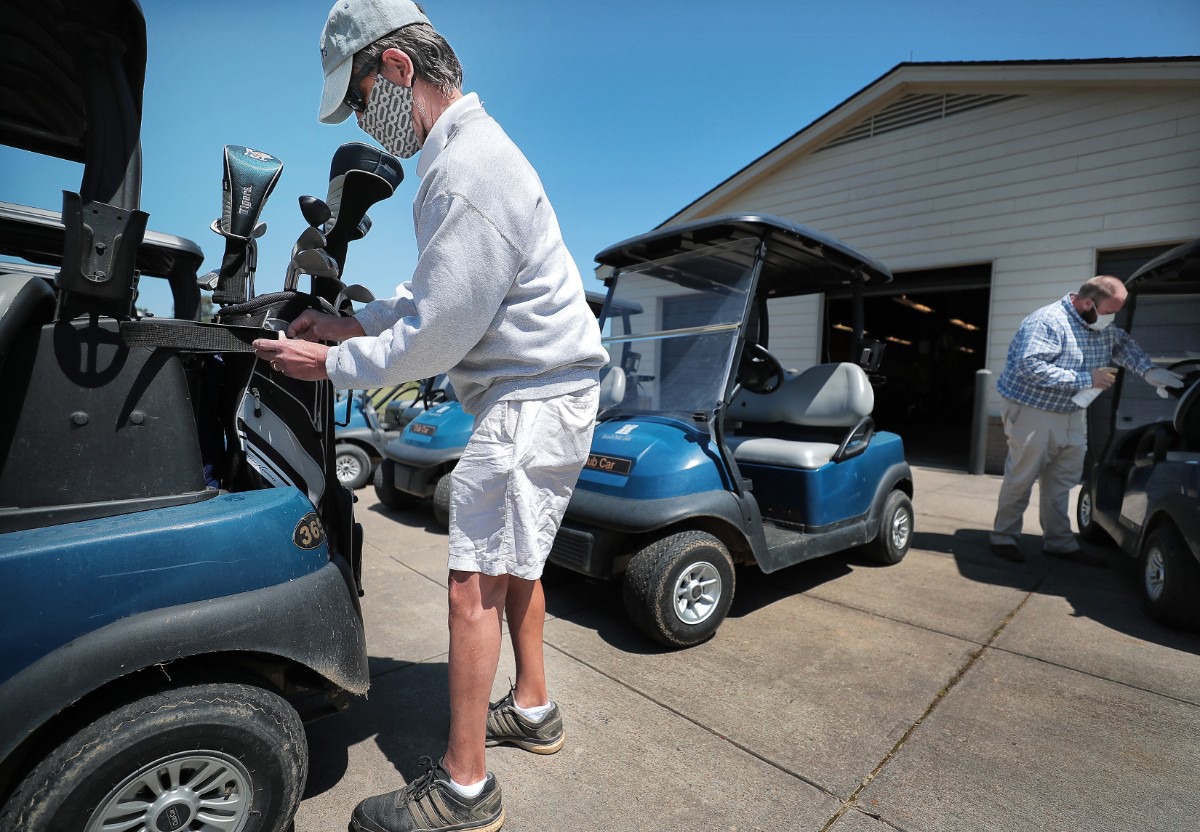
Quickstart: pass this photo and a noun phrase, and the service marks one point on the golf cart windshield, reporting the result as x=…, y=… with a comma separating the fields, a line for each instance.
x=676, y=327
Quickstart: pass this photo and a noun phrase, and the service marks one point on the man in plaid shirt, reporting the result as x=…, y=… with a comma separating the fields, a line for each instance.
x=1059, y=352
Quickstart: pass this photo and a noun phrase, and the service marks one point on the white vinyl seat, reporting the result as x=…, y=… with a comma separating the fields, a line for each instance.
x=807, y=421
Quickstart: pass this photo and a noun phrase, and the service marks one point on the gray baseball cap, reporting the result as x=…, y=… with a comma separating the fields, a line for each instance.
x=353, y=25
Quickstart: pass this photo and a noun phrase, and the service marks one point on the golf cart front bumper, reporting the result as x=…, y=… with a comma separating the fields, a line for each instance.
x=416, y=471
x=591, y=539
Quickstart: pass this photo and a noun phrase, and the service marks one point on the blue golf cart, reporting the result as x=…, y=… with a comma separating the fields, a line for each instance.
x=181, y=572
x=417, y=464
x=361, y=432
x=708, y=454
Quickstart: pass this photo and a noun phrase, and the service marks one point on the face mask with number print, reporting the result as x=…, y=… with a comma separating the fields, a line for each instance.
x=389, y=118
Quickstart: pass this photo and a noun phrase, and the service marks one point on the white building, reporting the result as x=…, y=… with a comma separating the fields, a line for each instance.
x=989, y=189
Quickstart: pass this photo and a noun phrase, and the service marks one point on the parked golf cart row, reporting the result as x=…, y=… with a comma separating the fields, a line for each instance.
x=707, y=454
x=1142, y=490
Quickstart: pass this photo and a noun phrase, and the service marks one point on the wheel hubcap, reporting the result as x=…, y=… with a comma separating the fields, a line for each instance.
x=697, y=593
x=347, y=468
x=194, y=790
x=1155, y=574
x=901, y=527
x=1085, y=509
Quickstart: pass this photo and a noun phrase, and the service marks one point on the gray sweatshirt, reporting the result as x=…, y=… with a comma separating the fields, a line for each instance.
x=495, y=298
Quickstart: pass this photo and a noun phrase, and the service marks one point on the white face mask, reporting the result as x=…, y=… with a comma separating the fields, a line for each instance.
x=1101, y=322
x=389, y=118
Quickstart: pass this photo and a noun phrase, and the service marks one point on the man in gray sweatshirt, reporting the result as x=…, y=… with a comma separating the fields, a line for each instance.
x=496, y=300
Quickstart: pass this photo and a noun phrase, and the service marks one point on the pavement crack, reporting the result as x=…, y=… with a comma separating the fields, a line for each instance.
x=852, y=801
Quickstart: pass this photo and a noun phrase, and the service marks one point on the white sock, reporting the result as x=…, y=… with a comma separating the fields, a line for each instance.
x=534, y=714
x=472, y=790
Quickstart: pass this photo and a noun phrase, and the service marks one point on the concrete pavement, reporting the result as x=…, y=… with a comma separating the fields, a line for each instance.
x=953, y=691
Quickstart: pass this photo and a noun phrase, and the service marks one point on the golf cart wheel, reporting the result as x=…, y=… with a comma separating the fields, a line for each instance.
x=678, y=589
x=229, y=757
x=352, y=466
x=441, y=501
x=1085, y=516
x=895, y=530
x=385, y=488
x=1170, y=580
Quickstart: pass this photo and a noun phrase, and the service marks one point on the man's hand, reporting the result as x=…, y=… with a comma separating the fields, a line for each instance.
x=1103, y=377
x=304, y=360
x=321, y=326
x=1162, y=379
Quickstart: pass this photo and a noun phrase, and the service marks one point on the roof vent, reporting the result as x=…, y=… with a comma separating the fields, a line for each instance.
x=915, y=109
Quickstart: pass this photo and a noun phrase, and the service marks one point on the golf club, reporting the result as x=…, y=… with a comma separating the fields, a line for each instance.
x=359, y=176
x=315, y=211
x=250, y=176
x=315, y=262
x=356, y=292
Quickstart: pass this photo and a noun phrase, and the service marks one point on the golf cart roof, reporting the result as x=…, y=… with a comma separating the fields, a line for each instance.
x=799, y=260
x=37, y=235
x=47, y=83
x=1173, y=272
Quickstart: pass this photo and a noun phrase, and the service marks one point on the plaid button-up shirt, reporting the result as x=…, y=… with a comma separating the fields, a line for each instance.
x=1052, y=356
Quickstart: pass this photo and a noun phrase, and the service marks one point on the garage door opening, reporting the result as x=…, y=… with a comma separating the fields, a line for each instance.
x=934, y=324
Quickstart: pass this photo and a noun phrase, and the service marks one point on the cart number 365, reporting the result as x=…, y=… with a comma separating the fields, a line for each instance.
x=309, y=532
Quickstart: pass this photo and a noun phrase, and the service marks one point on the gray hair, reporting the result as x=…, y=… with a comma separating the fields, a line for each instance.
x=433, y=59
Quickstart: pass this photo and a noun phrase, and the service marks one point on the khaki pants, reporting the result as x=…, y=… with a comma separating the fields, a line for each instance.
x=1044, y=446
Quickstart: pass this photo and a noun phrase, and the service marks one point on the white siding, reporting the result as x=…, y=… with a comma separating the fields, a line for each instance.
x=1034, y=185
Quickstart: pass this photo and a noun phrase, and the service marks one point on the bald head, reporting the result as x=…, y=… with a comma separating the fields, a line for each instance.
x=1104, y=287
x=1102, y=295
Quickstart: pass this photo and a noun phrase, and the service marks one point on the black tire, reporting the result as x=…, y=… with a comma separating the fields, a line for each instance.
x=238, y=746
x=441, y=501
x=895, y=530
x=352, y=466
x=1170, y=580
x=693, y=567
x=385, y=489
x=1085, y=516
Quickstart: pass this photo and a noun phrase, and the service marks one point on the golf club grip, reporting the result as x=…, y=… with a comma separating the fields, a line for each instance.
x=231, y=280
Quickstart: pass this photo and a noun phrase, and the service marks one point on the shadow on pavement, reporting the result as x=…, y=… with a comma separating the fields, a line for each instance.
x=418, y=516
x=595, y=605
x=1107, y=595
x=756, y=589
x=407, y=713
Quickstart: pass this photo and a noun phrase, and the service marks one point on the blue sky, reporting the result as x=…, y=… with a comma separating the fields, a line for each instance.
x=629, y=109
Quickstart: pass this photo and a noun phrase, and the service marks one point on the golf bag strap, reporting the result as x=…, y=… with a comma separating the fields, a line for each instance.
x=189, y=336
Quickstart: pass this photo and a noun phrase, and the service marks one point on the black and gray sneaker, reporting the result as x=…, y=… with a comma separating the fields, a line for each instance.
x=429, y=804
x=505, y=724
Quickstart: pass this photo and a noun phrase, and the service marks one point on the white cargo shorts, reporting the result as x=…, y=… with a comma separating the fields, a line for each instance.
x=509, y=491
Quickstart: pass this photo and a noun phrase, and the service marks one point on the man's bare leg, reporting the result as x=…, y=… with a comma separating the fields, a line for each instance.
x=476, y=604
x=525, y=608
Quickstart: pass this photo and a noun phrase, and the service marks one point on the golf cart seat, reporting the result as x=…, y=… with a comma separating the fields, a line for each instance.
x=26, y=301
x=612, y=387
x=822, y=415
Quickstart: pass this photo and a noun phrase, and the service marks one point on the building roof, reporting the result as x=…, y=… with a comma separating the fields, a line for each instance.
x=915, y=91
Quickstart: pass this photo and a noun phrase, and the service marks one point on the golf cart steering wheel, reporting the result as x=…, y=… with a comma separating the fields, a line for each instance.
x=761, y=372
x=1184, y=363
